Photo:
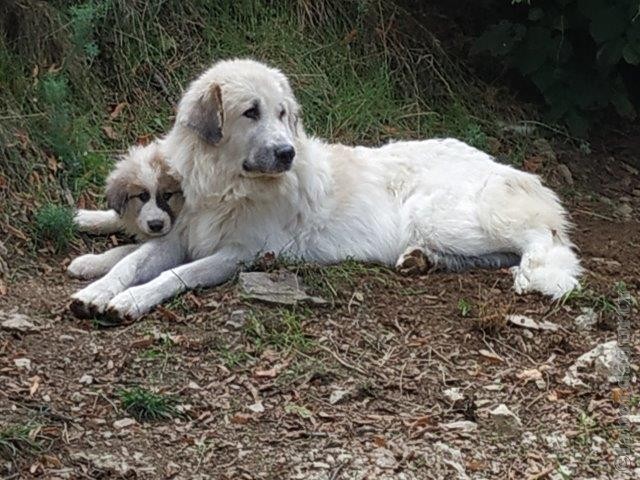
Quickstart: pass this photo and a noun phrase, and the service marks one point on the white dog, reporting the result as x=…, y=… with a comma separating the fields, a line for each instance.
x=144, y=200
x=254, y=182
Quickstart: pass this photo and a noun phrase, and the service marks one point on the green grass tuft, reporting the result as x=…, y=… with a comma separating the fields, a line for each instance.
x=16, y=439
x=280, y=329
x=54, y=223
x=145, y=405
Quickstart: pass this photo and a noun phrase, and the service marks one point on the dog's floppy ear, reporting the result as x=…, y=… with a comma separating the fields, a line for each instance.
x=206, y=116
x=117, y=193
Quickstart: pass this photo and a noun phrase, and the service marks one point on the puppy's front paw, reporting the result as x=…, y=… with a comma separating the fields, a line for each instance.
x=125, y=307
x=91, y=300
x=85, y=268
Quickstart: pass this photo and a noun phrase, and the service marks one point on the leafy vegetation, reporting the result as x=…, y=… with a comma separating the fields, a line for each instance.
x=18, y=438
x=55, y=223
x=146, y=405
x=575, y=52
x=278, y=328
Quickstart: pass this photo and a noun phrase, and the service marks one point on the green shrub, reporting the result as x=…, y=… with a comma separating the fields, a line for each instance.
x=573, y=51
x=55, y=224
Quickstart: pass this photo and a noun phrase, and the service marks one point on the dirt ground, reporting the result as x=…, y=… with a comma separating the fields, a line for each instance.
x=395, y=378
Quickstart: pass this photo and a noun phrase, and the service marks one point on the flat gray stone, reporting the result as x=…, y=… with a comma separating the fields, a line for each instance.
x=18, y=322
x=282, y=287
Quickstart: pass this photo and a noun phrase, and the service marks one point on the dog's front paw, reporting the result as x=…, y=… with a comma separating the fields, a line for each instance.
x=85, y=268
x=91, y=300
x=125, y=307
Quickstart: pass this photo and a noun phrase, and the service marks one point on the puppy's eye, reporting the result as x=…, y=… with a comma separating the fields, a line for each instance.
x=144, y=197
x=166, y=196
x=283, y=112
x=253, y=113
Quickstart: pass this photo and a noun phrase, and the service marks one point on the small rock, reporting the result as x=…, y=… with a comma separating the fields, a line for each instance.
x=597, y=444
x=282, y=287
x=587, y=319
x=453, y=394
x=237, y=319
x=462, y=425
x=256, y=407
x=18, y=323
x=556, y=441
x=385, y=458
x=504, y=419
x=609, y=360
x=634, y=419
x=86, y=379
x=529, y=439
x=624, y=211
x=337, y=395
x=77, y=397
x=452, y=457
x=565, y=173
x=124, y=423
x=22, y=364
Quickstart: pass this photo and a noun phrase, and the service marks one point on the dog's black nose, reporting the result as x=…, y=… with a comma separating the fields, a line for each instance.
x=155, y=225
x=284, y=155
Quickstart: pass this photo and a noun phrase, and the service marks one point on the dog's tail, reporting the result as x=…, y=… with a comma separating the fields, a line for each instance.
x=451, y=262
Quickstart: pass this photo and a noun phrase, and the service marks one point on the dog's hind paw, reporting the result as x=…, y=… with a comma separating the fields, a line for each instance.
x=413, y=261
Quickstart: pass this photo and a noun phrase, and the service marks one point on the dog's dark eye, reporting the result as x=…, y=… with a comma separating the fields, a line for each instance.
x=144, y=197
x=283, y=112
x=166, y=196
x=253, y=113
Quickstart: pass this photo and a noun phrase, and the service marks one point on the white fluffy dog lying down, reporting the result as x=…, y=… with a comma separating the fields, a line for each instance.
x=254, y=182
x=144, y=200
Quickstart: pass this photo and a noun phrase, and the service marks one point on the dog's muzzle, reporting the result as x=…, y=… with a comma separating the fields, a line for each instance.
x=273, y=160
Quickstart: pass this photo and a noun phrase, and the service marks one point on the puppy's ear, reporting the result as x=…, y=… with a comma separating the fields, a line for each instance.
x=117, y=193
x=206, y=116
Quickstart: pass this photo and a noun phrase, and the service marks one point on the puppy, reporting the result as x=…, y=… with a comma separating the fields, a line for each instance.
x=144, y=199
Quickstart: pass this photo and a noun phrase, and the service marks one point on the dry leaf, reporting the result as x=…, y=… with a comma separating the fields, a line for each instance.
x=34, y=386
x=491, y=356
x=523, y=321
x=3, y=288
x=240, y=418
x=271, y=373
x=379, y=440
x=109, y=132
x=115, y=113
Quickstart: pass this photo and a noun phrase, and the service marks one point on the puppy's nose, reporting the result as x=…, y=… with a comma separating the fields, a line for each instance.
x=155, y=225
x=284, y=155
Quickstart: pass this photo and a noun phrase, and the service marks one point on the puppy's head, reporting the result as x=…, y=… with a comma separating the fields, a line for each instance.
x=140, y=188
x=247, y=111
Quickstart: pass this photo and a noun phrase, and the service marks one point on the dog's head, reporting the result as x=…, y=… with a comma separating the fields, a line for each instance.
x=140, y=188
x=248, y=112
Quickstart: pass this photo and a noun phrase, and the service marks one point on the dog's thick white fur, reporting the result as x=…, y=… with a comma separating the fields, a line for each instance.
x=245, y=193
x=144, y=200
